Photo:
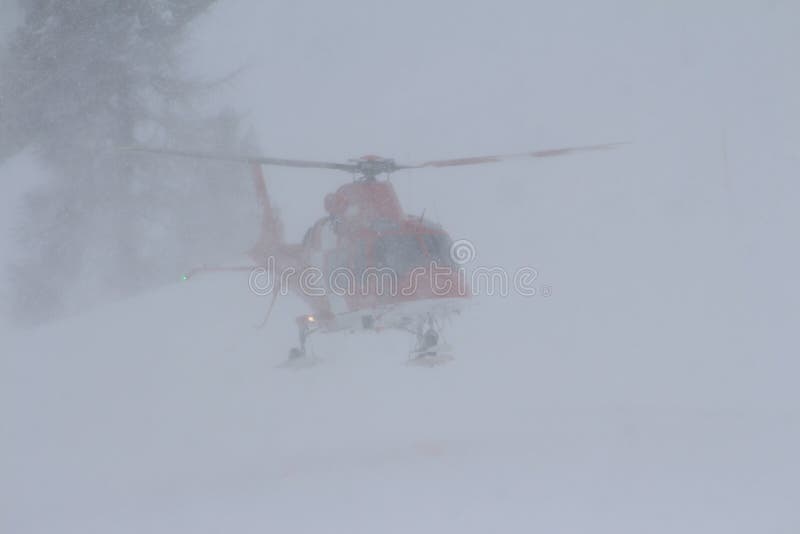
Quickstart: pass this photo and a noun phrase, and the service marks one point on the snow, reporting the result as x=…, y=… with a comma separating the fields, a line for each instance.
x=20, y=174
x=653, y=391
x=166, y=413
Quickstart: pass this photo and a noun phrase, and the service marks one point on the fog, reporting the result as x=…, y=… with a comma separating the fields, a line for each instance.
x=648, y=386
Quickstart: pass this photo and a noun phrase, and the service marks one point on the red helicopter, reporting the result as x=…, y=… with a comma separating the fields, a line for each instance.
x=366, y=265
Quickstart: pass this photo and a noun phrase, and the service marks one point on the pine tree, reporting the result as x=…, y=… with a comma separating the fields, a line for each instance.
x=81, y=79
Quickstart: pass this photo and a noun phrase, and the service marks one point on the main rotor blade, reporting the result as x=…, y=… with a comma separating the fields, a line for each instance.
x=282, y=162
x=552, y=152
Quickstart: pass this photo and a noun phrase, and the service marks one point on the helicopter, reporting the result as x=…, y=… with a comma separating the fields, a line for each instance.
x=366, y=265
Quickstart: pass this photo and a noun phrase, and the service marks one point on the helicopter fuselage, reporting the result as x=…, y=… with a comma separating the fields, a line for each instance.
x=377, y=267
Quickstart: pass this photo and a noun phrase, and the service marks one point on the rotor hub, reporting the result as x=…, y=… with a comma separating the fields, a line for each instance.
x=372, y=166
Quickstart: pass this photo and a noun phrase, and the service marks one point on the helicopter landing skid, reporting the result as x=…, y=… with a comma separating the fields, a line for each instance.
x=299, y=361
x=439, y=355
x=299, y=356
x=429, y=350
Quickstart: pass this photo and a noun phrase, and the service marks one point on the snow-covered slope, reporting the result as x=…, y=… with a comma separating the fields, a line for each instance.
x=653, y=391
x=166, y=414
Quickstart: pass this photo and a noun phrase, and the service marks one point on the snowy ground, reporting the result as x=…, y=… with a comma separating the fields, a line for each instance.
x=654, y=391
x=166, y=414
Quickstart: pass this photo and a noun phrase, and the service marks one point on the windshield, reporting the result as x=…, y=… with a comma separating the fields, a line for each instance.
x=399, y=252
x=438, y=247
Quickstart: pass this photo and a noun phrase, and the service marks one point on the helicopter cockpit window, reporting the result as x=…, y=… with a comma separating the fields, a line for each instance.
x=338, y=259
x=438, y=246
x=400, y=252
